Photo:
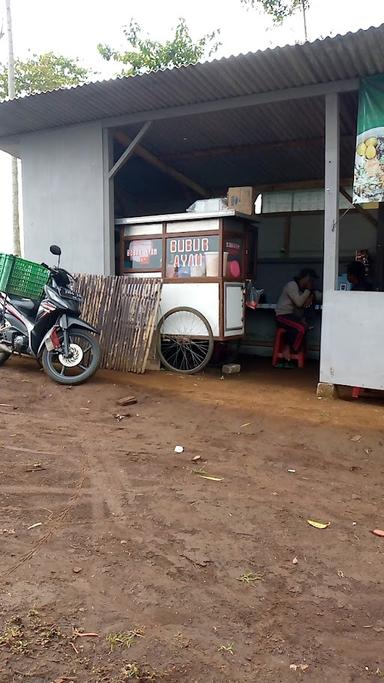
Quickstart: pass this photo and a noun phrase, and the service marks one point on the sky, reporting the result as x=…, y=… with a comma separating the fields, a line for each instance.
x=75, y=27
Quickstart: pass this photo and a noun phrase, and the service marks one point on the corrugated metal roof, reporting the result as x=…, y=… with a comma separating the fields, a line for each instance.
x=298, y=119
x=343, y=57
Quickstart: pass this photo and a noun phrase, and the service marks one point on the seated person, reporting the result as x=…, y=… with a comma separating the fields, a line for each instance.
x=296, y=298
x=357, y=277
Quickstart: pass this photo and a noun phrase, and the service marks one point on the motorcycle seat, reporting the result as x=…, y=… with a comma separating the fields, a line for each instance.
x=27, y=306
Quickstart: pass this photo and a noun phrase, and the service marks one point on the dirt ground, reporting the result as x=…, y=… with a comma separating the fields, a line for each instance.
x=104, y=529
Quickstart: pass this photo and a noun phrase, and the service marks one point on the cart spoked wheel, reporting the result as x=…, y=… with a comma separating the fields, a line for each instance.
x=185, y=340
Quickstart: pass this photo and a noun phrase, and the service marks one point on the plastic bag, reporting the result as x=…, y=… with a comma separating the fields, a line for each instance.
x=252, y=295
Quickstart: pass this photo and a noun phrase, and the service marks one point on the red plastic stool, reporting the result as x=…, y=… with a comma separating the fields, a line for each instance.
x=356, y=392
x=278, y=350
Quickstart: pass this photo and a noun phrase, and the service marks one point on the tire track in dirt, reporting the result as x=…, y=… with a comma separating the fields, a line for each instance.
x=41, y=490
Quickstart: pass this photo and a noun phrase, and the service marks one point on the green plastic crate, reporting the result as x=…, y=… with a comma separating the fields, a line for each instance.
x=22, y=278
x=6, y=263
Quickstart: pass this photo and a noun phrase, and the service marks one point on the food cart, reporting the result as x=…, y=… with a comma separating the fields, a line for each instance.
x=203, y=260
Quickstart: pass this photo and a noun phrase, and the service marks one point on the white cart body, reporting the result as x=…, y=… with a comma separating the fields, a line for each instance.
x=209, y=251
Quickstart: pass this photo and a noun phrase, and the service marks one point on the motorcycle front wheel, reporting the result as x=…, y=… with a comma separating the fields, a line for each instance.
x=81, y=363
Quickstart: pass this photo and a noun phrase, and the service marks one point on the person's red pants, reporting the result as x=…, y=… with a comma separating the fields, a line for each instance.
x=295, y=330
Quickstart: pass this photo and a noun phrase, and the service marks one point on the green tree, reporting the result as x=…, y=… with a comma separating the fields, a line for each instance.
x=145, y=54
x=281, y=9
x=40, y=73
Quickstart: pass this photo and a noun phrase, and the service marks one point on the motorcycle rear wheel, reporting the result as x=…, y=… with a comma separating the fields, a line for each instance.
x=4, y=357
x=55, y=365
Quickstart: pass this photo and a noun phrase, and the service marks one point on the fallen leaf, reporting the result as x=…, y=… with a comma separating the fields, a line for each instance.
x=33, y=526
x=300, y=667
x=196, y=457
x=378, y=532
x=291, y=471
x=77, y=570
x=318, y=525
x=358, y=437
x=207, y=476
x=246, y=424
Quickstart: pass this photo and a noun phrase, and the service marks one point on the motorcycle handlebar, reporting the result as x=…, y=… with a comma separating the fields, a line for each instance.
x=55, y=270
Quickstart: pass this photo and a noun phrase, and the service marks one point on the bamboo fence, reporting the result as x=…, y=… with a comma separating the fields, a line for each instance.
x=124, y=310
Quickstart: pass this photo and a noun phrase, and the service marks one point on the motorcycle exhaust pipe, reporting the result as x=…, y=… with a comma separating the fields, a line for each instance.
x=5, y=347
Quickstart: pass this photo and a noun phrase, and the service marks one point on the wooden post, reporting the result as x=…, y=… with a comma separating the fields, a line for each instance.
x=332, y=184
x=331, y=227
x=304, y=12
x=15, y=177
x=287, y=235
x=108, y=205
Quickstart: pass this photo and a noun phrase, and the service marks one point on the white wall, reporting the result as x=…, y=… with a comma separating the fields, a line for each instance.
x=5, y=203
x=62, y=173
x=352, y=339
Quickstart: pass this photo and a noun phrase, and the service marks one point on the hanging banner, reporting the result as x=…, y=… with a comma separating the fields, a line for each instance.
x=369, y=161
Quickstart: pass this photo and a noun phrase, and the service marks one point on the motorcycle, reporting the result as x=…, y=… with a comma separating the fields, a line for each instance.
x=51, y=330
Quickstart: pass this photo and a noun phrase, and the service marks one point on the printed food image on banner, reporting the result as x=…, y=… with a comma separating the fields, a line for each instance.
x=143, y=254
x=369, y=161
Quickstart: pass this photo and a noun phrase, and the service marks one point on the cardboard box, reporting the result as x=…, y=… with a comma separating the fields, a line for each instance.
x=242, y=199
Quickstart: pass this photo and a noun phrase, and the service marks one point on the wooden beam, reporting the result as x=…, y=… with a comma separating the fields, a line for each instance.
x=238, y=102
x=130, y=150
x=161, y=166
x=246, y=149
x=363, y=212
x=287, y=235
x=317, y=183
